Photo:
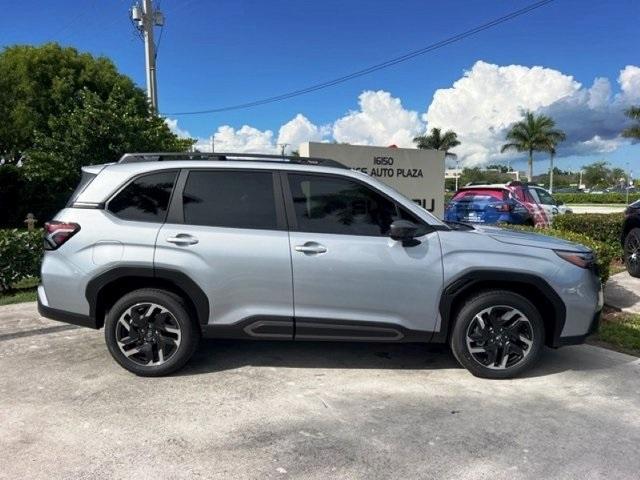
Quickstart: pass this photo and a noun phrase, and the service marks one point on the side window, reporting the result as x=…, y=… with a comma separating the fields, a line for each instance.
x=545, y=197
x=335, y=205
x=145, y=199
x=231, y=199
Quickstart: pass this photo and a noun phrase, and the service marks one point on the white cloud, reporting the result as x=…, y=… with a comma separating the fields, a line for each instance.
x=299, y=130
x=381, y=120
x=489, y=98
x=629, y=81
x=244, y=140
x=482, y=104
x=172, y=123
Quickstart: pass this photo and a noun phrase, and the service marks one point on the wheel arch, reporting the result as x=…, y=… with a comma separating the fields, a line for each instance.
x=530, y=286
x=105, y=289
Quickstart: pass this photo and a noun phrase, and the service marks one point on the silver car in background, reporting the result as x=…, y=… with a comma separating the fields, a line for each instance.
x=161, y=249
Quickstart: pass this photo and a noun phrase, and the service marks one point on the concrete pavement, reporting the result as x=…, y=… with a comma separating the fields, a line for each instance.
x=622, y=291
x=596, y=208
x=307, y=410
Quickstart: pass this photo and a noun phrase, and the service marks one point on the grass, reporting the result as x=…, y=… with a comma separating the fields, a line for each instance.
x=24, y=291
x=18, y=296
x=619, y=331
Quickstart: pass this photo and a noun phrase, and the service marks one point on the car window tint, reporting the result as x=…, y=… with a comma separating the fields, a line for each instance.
x=145, y=199
x=230, y=199
x=335, y=205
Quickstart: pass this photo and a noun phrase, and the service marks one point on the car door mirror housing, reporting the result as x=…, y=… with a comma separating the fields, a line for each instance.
x=559, y=202
x=404, y=231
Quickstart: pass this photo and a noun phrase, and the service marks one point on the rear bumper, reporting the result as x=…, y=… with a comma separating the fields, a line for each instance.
x=64, y=316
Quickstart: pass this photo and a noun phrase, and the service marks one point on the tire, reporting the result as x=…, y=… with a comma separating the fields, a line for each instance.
x=632, y=252
x=511, y=324
x=159, y=325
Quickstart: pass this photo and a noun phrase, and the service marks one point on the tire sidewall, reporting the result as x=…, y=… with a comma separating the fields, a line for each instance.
x=634, y=272
x=176, y=307
x=481, y=302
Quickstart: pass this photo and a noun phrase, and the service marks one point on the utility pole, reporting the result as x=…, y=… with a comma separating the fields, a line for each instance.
x=146, y=18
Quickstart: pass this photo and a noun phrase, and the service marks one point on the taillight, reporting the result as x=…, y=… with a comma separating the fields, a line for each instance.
x=502, y=207
x=57, y=233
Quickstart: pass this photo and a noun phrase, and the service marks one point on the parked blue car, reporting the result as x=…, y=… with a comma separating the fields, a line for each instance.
x=491, y=204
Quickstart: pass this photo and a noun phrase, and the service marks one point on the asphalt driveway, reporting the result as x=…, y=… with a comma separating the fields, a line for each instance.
x=307, y=410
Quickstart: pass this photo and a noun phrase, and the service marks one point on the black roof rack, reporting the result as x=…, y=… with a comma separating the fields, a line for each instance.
x=256, y=157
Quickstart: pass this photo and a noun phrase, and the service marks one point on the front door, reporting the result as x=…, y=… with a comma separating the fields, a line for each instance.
x=350, y=279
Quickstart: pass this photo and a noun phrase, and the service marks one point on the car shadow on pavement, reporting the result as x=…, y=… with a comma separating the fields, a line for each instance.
x=220, y=355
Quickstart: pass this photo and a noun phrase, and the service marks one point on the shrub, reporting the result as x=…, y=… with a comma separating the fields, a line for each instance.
x=602, y=227
x=604, y=253
x=20, y=256
x=596, y=198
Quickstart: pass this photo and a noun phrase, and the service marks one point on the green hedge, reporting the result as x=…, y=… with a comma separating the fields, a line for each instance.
x=20, y=256
x=596, y=198
x=602, y=227
x=604, y=253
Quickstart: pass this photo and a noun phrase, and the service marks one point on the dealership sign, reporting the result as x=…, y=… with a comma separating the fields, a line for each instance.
x=418, y=174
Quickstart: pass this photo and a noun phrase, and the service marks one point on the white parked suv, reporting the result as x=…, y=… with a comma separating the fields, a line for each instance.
x=160, y=249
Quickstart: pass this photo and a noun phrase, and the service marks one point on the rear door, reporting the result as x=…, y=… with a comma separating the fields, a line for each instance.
x=351, y=281
x=226, y=230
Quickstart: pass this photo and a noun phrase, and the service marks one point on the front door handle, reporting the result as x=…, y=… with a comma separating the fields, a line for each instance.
x=311, y=248
x=183, y=239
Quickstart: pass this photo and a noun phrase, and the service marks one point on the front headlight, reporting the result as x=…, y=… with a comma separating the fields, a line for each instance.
x=579, y=259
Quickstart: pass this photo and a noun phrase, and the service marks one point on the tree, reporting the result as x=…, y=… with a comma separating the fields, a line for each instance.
x=634, y=131
x=534, y=133
x=596, y=174
x=61, y=110
x=437, y=140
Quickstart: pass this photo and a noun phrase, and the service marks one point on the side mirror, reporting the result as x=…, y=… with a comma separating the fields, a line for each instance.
x=559, y=202
x=405, y=232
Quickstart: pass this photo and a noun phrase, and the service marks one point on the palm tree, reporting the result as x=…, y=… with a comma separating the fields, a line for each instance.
x=554, y=137
x=437, y=140
x=633, y=131
x=534, y=133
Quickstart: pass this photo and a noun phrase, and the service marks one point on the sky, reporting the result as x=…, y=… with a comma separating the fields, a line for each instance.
x=576, y=60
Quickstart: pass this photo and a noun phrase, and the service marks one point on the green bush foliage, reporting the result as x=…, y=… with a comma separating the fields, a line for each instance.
x=602, y=227
x=604, y=253
x=596, y=198
x=20, y=256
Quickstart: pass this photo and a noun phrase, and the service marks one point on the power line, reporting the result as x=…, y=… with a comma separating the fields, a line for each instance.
x=394, y=61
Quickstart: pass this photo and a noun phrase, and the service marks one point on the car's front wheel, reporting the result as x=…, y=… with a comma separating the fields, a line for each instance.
x=632, y=252
x=497, y=334
x=150, y=332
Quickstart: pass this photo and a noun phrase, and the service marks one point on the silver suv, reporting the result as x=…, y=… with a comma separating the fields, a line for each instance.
x=161, y=249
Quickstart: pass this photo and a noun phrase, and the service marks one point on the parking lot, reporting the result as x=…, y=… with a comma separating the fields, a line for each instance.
x=307, y=410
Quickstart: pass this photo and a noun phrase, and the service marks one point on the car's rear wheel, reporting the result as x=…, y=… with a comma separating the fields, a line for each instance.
x=150, y=332
x=632, y=252
x=497, y=334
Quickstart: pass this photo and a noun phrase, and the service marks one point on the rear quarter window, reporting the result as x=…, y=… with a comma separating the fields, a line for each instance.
x=85, y=180
x=145, y=199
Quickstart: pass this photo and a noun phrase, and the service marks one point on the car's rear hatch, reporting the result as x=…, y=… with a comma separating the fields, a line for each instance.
x=477, y=205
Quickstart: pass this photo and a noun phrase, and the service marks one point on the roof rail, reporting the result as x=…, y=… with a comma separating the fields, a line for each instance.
x=256, y=157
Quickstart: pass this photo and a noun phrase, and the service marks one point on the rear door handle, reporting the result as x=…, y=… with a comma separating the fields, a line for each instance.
x=311, y=248
x=183, y=239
